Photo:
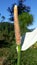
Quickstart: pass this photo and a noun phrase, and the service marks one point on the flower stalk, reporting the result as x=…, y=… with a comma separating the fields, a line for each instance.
x=17, y=33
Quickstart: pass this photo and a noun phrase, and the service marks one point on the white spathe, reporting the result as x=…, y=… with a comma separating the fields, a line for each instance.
x=29, y=40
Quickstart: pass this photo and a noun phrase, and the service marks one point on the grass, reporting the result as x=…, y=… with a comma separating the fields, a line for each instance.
x=4, y=52
x=28, y=57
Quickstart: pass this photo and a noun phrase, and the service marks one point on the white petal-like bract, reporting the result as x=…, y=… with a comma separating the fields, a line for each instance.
x=30, y=39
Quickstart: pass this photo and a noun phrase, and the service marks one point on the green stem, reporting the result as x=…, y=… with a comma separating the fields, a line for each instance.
x=19, y=55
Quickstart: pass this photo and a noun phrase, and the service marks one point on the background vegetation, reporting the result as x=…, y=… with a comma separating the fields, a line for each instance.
x=8, y=47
